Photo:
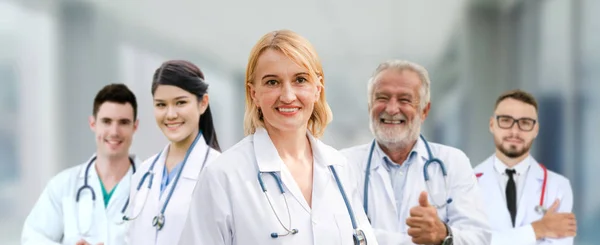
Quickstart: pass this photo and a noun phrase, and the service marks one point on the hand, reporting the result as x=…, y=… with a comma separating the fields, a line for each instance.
x=425, y=226
x=555, y=225
x=82, y=242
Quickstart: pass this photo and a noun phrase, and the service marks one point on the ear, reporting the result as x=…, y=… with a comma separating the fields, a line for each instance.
x=425, y=111
x=252, y=89
x=492, y=124
x=319, y=88
x=203, y=103
x=536, y=129
x=92, y=122
x=136, y=124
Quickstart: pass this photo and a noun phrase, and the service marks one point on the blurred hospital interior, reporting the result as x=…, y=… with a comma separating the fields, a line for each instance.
x=55, y=56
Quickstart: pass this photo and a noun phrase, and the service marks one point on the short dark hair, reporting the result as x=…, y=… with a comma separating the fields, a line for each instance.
x=519, y=95
x=117, y=93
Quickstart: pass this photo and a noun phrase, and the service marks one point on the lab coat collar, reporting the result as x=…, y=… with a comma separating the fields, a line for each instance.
x=268, y=159
x=378, y=155
x=92, y=171
x=194, y=163
x=520, y=167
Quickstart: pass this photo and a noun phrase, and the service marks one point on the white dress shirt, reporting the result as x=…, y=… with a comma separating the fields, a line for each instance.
x=522, y=168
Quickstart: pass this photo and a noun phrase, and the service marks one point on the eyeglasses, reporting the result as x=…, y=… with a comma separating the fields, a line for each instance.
x=507, y=122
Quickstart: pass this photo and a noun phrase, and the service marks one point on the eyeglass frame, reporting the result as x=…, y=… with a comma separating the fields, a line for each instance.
x=517, y=121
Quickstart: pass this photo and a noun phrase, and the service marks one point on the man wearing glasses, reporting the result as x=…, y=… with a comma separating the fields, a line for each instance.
x=525, y=202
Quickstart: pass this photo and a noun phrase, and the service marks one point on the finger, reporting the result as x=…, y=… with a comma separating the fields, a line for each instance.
x=415, y=222
x=417, y=211
x=414, y=232
x=423, y=201
x=554, y=206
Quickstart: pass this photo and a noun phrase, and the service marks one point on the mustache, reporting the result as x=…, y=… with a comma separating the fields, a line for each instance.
x=513, y=138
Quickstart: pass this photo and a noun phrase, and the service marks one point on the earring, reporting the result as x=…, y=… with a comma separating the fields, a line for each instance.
x=260, y=114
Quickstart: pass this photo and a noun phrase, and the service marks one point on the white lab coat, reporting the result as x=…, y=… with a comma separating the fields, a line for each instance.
x=465, y=214
x=230, y=208
x=141, y=230
x=557, y=186
x=53, y=219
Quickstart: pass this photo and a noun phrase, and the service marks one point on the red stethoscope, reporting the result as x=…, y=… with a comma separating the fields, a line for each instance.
x=540, y=208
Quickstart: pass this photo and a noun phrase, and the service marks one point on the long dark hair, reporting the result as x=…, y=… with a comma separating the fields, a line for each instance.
x=187, y=76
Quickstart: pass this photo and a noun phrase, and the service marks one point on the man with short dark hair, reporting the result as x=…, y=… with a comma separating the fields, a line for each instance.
x=525, y=202
x=84, y=205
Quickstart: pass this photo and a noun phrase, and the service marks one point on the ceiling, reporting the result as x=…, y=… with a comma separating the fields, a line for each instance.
x=350, y=36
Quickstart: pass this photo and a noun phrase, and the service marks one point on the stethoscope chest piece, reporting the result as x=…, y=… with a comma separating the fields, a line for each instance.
x=158, y=221
x=359, y=237
x=541, y=210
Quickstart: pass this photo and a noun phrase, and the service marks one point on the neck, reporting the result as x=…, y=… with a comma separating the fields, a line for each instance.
x=112, y=169
x=397, y=152
x=510, y=162
x=180, y=148
x=291, y=145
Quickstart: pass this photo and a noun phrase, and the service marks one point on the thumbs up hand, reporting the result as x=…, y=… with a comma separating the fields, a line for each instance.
x=424, y=225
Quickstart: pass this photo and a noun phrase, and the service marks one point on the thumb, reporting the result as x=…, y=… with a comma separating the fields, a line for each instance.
x=554, y=206
x=423, y=201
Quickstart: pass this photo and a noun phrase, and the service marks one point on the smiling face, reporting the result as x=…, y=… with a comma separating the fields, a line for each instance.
x=177, y=112
x=114, y=126
x=283, y=91
x=395, y=114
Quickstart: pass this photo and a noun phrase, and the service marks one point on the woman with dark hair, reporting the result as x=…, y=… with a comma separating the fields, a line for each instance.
x=162, y=188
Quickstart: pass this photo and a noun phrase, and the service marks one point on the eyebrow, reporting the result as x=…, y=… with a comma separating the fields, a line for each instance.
x=275, y=76
x=176, y=98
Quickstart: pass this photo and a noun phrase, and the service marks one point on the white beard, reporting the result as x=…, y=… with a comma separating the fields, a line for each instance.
x=396, y=136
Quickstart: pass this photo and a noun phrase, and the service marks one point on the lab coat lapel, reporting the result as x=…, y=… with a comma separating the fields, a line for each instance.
x=119, y=197
x=268, y=160
x=495, y=201
x=531, y=191
x=99, y=213
x=156, y=182
x=384, y=178
x=323, y=178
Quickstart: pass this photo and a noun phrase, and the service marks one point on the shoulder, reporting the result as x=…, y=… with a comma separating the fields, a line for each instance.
x=356, y=150
x=562, y=181
x=448, y=153
x=65, y=178
x=483, y=165
x=234, y=157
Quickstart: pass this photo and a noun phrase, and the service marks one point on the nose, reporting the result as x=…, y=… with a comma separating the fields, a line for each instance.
x=171, y=113
x=392, y=107
x=288, y=93
x=114, y=129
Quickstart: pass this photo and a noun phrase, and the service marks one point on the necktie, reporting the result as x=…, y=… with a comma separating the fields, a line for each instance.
x=511, y=195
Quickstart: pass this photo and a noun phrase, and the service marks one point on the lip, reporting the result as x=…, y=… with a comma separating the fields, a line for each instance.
x=113, y=143
x=288, y=110
x=174, y=125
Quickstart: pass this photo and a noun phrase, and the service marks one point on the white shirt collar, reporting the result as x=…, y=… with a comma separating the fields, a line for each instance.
x=520, y=167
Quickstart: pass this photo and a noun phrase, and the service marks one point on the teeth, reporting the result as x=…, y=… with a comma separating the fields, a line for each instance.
x=392, y=121
x=112, y=142
x=287, y=109
x=174, y=125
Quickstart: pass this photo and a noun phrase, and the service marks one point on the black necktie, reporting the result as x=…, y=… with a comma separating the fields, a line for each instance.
x=511, y=195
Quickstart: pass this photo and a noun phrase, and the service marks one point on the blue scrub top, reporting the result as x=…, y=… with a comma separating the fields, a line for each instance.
x=168, y=177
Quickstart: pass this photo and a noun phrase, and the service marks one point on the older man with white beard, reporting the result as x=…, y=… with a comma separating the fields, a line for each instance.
x=392, y=170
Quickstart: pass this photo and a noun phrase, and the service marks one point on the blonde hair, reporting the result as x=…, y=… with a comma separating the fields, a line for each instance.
x=298, y=49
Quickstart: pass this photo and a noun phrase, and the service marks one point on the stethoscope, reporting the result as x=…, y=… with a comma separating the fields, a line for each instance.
x=425, y=175
x=358, y=235
x=540, y=208
x=87, y=186
x=159, y=220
